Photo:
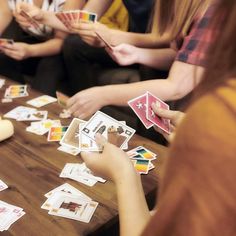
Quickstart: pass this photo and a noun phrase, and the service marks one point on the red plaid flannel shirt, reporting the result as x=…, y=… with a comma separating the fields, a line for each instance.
x=194, y=49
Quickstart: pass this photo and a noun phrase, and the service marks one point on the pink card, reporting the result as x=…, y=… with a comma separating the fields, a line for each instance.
x=164, y=124
x=138, y=105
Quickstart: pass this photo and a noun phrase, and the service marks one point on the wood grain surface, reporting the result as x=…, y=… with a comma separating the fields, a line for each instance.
x=30, y=166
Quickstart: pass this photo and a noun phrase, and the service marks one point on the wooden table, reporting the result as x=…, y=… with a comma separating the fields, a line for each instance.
x=30, y=166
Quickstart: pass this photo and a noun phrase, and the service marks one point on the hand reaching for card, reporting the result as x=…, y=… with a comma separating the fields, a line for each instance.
x=85, y=103
x=112, y=163
x=175, y=118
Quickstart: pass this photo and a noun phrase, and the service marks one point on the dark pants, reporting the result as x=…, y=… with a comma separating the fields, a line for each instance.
x=45, y=72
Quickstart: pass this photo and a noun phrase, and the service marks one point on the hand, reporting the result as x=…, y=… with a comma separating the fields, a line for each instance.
x=85, y=103
x=17, y=51
x=87, y=30
x=32, y=10
x=124, y=54
x=112, y=164
x=22, y=21
x=175, y=119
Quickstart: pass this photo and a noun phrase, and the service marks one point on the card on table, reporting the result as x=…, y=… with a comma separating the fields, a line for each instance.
x=141, y=153
x=162, y=123
x=19, y=111
x=16, y=91
x=72, y=208
x=114, y=131
x=3, y=186
x=56, y=133
x=69, y=150
x=36, y=115
x=139, y=106
x=71, y=137
x=41, y=101
x=142, y=166
x=2, y=83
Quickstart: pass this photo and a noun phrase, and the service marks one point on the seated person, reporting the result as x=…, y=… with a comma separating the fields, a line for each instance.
x=197, y=190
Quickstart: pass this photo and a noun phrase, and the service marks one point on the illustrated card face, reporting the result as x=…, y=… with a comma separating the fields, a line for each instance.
x=36, y=115
x=139, y=106
x=72, y=135
x=67, y=188
x=163, y=124
x=41, y=101
x=56, y=133
x=141, y=153
x=114, y=131
x=72, y=208
x=19, y=111
x=16, y=91
x=142, y=166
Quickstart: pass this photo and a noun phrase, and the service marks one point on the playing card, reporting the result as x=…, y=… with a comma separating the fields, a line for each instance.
x=71, y=136
x=114, y=131
x=141, y=153
x=41, y=101
x=2, y=81
x=6, y=41
x=107, y=44
x=139, y=106
x=36, y=115
x=72, y=208
x=56, y=133
x=67, y=188
x=16, y=91
x=142, y=166
x=69, y=150
x=61, y=98
x=3, y=186
x=19, y=111
x=162, y=123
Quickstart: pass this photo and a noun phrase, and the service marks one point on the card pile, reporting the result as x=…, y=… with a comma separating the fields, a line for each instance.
x=67, y=201
x=42, y=127
x=141, y=158
x=81, y=134
x=142, y=107
x=41, y=101
x=22, y=113
x=16, y=91
x=74, y=16
x=80, y=173
x=9, y=214
x=3, y=186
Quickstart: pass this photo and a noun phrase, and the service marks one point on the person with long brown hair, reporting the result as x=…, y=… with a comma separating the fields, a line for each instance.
x=197, y=190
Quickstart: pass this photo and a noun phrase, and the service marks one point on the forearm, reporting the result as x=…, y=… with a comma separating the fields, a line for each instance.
x=149, y=40
x=98, y=6
x=5, y=19
x=160, y=59
x=133, y=209
x=120, y=94
x=48, y=48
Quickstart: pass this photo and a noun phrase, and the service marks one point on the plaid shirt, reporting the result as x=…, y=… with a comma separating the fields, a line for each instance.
x=194, y=49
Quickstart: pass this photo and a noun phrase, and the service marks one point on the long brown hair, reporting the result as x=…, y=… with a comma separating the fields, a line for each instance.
x=222, y=55
x=175, y=17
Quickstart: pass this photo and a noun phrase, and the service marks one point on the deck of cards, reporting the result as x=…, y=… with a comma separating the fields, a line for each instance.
x=67, y=201
x=9, y=214
x=141, y=158
x=142, y=107
x=74, y=16
x=81, y=174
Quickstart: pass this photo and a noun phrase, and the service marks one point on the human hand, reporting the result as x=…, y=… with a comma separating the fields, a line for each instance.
x=17, y=51
x=112, y=164
x=33, y=11
x=87, y=32
x=85, y=103
x=124, y=54
x=175, y=119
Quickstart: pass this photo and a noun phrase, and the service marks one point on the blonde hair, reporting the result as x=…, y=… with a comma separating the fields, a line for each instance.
x=175, y=17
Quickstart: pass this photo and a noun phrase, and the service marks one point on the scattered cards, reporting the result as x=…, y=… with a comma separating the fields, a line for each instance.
x=41, y=101
x=67, y=201
x=142, y=108
x=9, y=214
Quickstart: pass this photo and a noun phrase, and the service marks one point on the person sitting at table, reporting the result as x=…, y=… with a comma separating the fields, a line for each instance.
x=36, y=48
x=196, y=191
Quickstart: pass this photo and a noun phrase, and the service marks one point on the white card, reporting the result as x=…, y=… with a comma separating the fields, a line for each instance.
x=41, y=101
x=3, y=186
